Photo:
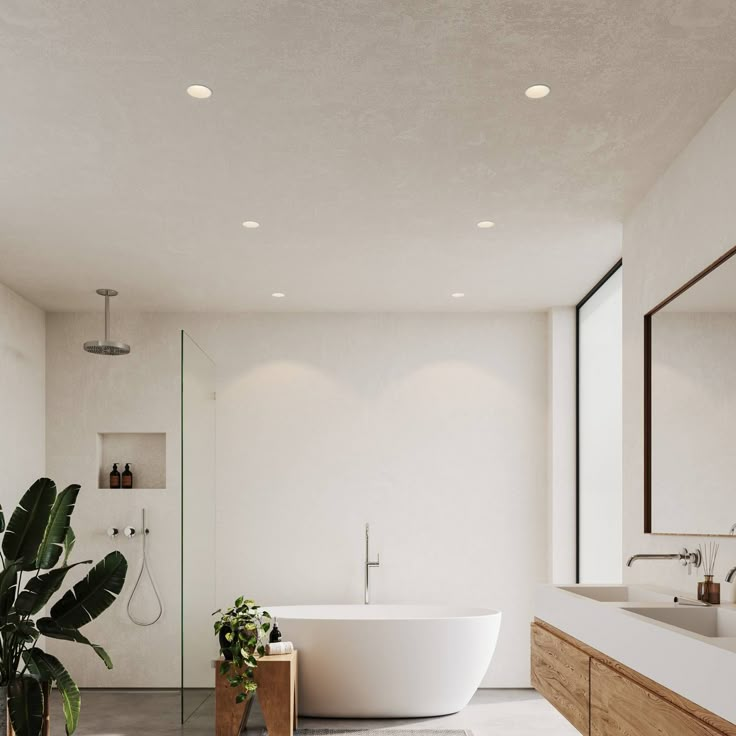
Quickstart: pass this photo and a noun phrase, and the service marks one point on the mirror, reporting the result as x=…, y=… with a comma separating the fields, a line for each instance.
x=690, y=406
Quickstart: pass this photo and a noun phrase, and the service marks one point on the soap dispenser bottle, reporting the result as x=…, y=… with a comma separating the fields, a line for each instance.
x=275, y=636
x=115, y=477
x=127, y=477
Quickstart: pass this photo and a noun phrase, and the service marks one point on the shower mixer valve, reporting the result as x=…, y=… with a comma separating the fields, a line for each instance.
x=112, y=532
x=129, y=532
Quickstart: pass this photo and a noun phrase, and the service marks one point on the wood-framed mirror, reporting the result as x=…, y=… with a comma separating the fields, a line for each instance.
x=690, y=406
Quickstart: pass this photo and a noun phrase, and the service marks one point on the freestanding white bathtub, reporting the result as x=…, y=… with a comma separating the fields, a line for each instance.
x=388, y=661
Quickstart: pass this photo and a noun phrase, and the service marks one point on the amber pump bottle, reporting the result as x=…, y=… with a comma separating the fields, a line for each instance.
x=127, y=477
x=115, y=481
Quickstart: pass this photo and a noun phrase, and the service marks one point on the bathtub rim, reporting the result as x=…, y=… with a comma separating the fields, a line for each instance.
x=399, y=611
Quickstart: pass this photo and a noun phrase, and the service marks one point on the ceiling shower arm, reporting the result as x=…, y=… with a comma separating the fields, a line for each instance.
x=107, y=346
x=107, y=317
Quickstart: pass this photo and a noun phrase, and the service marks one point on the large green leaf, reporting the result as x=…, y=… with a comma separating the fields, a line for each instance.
x=51, y=669
x=25, y=705
x=48, y=627
x=28, y=523
x=21, y=629
x=2, y=520
x=57, y=527
x=39, y=589
x=69, y=541
x=93, y=594
x=8, y=586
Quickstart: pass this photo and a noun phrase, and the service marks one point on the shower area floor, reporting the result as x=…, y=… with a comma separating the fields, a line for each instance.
x=150, y=713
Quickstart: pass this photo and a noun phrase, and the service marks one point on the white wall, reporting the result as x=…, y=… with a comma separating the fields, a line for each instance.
x=140, y=392
x=22, y=396
x=561, y=444
x=684, y=223
x=600, y=384
x=431, y=427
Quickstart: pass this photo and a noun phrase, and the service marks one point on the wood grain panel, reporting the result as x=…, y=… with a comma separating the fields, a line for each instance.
x=277, y=693
x=560, y=672
x=276, y=676
x=230, y=717
x=621, y=707
x=720, y=725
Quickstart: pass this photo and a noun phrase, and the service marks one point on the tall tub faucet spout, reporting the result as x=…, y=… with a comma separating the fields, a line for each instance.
x=369, y=564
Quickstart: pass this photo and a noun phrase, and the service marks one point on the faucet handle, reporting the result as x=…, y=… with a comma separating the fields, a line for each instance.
x=690, y=559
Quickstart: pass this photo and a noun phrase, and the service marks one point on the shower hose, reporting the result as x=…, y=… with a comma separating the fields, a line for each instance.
x=145, y=569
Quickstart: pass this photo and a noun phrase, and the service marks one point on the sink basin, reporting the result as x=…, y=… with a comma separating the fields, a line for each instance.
x=619, y=593
x=710, y=622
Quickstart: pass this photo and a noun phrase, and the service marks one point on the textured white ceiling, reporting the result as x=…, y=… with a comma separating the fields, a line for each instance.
x=367, y=136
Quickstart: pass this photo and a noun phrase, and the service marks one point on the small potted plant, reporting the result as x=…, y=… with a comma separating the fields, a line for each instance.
x=241, y=630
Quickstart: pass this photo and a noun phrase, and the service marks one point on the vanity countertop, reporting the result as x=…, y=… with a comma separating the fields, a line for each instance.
x=688, y=649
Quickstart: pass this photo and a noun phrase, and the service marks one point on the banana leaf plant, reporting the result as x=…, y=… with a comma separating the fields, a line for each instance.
x=36, y=547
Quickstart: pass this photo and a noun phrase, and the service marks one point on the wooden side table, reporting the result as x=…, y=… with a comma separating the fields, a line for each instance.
x=277, y=695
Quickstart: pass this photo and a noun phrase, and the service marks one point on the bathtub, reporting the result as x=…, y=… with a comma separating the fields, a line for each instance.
x=388, y=661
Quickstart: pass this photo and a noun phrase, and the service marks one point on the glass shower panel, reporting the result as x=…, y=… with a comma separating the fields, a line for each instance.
x=198, y=643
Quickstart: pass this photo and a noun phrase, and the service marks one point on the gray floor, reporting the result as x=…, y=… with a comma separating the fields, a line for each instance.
x=148, y=713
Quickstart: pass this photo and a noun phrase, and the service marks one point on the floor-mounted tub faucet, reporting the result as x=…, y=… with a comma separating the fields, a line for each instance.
x=691, y=559
x=369, y=564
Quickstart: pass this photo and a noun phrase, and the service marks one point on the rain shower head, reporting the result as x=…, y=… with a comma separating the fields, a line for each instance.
x=107, y=346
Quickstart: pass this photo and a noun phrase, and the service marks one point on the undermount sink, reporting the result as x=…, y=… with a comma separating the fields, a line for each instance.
x=619, y=593
x=711, y=622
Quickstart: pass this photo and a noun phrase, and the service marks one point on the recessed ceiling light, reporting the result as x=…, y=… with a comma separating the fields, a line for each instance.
x=537, y=91
x=458, y=295
x=199, y=91
x=486, y=224
x=251, y=224
x=278, y=295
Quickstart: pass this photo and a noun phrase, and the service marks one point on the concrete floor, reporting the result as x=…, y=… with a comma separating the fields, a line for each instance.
x=149, y=713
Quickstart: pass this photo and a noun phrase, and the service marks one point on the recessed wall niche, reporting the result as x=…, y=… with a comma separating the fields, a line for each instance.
x=145, y=451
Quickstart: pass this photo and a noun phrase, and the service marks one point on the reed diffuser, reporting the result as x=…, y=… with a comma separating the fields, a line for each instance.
x=709, y=591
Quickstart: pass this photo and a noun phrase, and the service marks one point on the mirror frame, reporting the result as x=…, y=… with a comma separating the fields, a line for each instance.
x=648, y=395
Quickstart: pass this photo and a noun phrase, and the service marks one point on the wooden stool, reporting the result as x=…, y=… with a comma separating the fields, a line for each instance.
x=276, y=679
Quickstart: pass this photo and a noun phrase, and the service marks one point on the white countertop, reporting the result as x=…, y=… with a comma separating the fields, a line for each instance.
x=700, y=668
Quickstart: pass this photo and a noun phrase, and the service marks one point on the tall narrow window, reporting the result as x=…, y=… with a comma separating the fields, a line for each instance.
x=599, y=431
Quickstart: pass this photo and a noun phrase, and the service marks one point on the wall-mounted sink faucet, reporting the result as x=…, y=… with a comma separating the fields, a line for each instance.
x=730, y=574
x=689, y=559
x=369, y=564
x=691, y=602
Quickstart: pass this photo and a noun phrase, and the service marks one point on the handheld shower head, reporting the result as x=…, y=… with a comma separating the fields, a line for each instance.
x=107, y=346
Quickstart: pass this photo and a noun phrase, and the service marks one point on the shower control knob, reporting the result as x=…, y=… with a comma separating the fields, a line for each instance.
x=129, y=532
x=112, y=532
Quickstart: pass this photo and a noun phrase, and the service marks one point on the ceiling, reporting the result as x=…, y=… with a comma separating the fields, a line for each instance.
x=366, y=136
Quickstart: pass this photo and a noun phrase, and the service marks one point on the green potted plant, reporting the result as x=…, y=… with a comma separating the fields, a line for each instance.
x=37, y=538
x=241, y=630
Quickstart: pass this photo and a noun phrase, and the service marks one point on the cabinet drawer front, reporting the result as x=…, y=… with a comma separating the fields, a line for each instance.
x=621, y=707
x=561, y=673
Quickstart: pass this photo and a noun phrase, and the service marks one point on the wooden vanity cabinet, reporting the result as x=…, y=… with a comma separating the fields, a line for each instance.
x=621, y=707
x=561, y=673
x=602, y=697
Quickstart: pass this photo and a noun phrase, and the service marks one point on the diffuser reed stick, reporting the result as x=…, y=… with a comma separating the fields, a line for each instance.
x=709, y=555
